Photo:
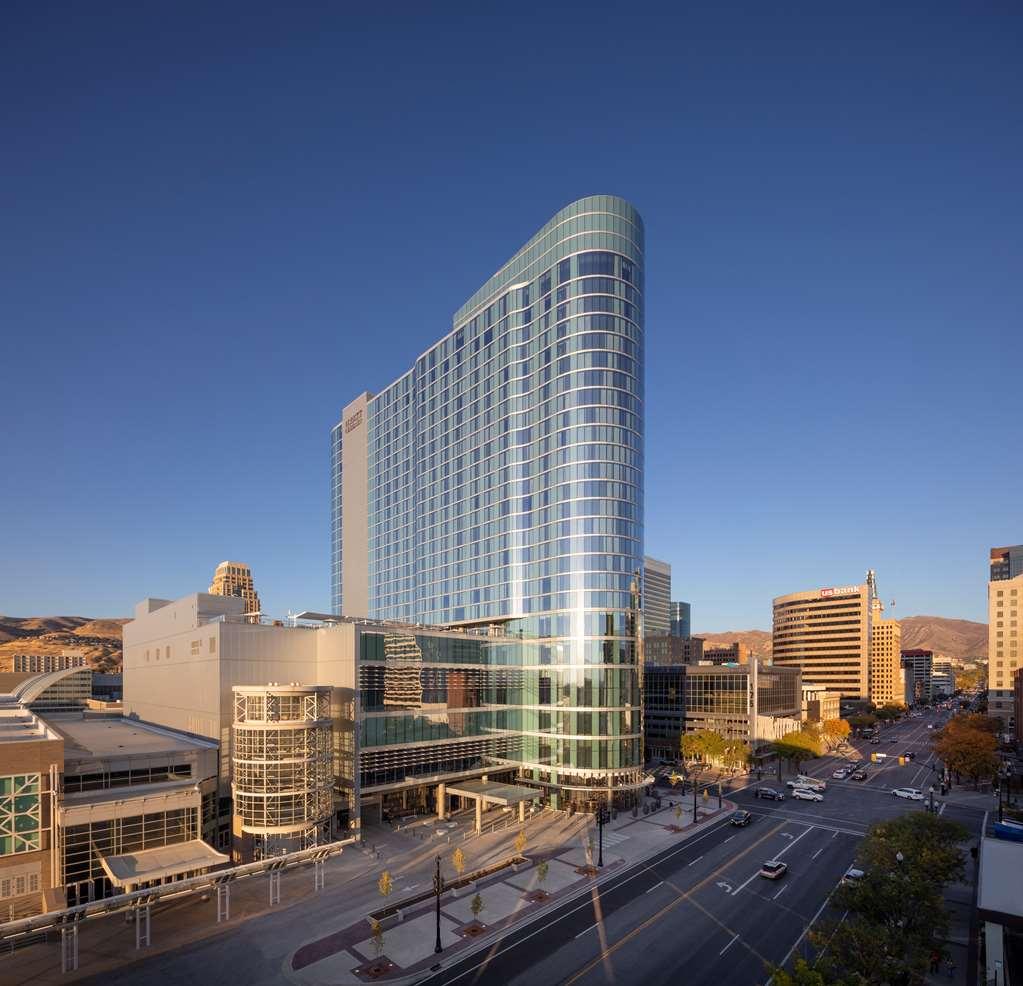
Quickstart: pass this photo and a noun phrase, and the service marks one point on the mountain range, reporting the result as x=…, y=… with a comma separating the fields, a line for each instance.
x=100, y=640
x=955, y=638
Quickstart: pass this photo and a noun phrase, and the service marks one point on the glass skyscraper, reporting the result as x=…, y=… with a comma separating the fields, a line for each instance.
x=497, y=486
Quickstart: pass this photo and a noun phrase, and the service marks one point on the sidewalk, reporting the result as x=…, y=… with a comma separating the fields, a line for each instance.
x=259, y=941
x=348, y=954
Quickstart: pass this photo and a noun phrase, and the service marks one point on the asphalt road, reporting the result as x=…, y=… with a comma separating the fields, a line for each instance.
x=699, y=913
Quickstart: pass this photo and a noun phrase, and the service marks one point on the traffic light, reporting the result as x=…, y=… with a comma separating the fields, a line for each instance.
x=873, y=758
x=902, y=761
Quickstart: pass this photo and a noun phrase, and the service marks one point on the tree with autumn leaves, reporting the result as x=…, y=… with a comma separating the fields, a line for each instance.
x=968, y=745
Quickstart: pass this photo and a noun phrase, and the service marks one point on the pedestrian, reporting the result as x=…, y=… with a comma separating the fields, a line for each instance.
x=950, y=966
x=935, y=960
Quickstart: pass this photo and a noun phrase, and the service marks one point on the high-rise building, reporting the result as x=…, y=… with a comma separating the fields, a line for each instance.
x=673, y=650
x=734, y=653
x=656, y=598
x=1006, y=563
x=232, y=578
x=498, y=482
x=681, y=615
x=919, y=665
x=826, y=633
x=885, y=647
x=1004, y=598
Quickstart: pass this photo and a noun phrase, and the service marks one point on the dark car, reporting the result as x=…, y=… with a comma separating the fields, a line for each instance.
x=770, y=793
x=741, y=817
x=774, y=869
x=859, y=775
x=909, y=755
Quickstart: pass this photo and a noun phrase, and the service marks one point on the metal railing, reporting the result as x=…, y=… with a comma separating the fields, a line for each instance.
x=207, y=882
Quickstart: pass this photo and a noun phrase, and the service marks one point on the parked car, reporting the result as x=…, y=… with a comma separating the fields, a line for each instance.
x=859, y=775
x=741, y=817
x=806, y=794
x=770, y=793
x=773, y=869
x=909, y=793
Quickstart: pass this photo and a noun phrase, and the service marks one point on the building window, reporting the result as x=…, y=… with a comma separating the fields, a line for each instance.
x=20, y=817
x=213, y=645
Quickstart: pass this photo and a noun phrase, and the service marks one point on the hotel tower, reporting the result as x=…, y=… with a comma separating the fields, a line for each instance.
x=496, y=487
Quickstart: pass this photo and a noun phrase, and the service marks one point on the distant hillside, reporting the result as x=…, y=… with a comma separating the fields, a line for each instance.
x=758, y=641
x=99, y=639
x=956, y=638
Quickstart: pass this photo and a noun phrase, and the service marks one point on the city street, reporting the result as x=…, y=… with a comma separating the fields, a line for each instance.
x=700, y=911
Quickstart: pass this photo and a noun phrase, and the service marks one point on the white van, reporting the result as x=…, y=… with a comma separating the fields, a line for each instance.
x=813, y=783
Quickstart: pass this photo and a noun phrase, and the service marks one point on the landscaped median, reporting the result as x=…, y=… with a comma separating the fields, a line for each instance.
x=397, y=942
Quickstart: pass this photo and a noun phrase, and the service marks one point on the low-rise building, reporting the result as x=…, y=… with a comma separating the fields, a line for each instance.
x=820, y=704
x=918, y=662
x=753, y=703
x=673, y=650
x=733, y=653
x=40, y=663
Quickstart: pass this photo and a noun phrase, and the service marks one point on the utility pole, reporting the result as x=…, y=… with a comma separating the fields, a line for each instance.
x=438, y=889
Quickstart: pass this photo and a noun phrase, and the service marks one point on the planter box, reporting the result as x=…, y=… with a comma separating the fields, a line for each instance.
x=387, y=922
x=466, y=888
x=519, y=867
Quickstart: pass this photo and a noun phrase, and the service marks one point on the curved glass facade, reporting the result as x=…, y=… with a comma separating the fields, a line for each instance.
x=505, y=487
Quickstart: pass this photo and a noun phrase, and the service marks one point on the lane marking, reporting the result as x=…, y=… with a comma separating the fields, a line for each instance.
x=729, y=839
x=780, y=892
x=729, y=945
x=611, y=885
x=588, y=930
x=778, y=855
x=802, y=934
x=819, y=851
x=695, y=861
x=655, y=886
x=835, y=836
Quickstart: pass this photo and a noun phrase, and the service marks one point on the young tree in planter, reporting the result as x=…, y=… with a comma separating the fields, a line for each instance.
x=385, y=884
x=476, y=906
x=678, y=814
x=520, y=842
x=458, y=862
x=377, y=935
x=542, y=869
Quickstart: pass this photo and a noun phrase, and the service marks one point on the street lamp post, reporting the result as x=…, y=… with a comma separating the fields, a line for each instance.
x=601, y=810
x=438, y=889
x=931, y=809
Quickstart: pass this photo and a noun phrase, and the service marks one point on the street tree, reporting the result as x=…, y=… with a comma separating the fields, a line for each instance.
x=458, y=861
x=385, y=884
x=520, y=842
x=863, y=720
x=542, y=869
x=797, y=746
x=476, y=906
x=834, y=731
x=703, y=745
x=802, y=974
x=377, y=936
x=969, y=747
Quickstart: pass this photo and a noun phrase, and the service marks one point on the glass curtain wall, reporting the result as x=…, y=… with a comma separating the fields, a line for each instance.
x=506, y=488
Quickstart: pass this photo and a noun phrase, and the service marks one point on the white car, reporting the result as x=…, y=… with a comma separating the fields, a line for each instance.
x=805, y=794
x=909, y=793
x=839, y=775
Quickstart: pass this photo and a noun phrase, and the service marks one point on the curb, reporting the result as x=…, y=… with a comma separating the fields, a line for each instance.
x=481, y=944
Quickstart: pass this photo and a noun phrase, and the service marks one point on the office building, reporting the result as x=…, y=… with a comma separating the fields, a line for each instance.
x=656, y=598
x=918, y=663
x=752, y=703
x=498, y=482
x=92, y=805
x=1006, y=563
x=681, y=619
x=734, y=653
x=820, y=705
x=44, y=663
x=943, y=676
x=232, y=578
x=66, y=690
x=673, y=650
x=885, y=661
x=826, y=633
x=1004, y=598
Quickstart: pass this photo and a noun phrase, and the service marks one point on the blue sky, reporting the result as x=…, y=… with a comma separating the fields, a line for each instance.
x=219, y=224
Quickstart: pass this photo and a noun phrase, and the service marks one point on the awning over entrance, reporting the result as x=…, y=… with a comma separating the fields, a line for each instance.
x=149, y=865
x=491, y=791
